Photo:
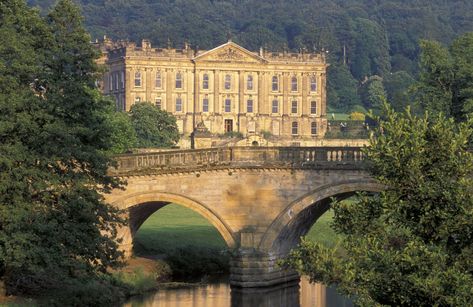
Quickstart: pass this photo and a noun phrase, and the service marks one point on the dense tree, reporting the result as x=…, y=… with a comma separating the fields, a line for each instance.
x=154, y=127
x=123, y=137
x=372, y=93
x=55, y=228
x=367, y=36
x=446, y=77
x=397, y=86
x=411, y=244
x=342, y=88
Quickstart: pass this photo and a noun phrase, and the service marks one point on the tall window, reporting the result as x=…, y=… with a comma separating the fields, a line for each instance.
x=294, y=107
x=249, y=83
x=117, y=77
x=205, y=82
x=249, y=106
x=178, y=104
x=205, y=104
x=123, y=79
x=137, y=79
x=295, y=128
x=275, y=106
x=158, y=103
x=228, y=105
x=275, y=84
x=178, y=80
x=313, y=84
x=313, y=107
x=294, y=84
x=228, y=82
x=158, y=83
x=110, y=82
x=313, y=128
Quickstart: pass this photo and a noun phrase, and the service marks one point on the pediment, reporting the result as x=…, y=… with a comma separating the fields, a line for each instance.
x=229, y=52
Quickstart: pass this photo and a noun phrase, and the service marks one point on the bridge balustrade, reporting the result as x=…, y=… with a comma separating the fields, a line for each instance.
x=302, y=157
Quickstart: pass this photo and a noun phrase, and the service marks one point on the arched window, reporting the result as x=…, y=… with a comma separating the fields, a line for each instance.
x=158, y=83
x=137, y=79
x=275, y=106
x=249, y=83
x=294, y=84
x=205, y=82
x=178, y=80
x=295, y=128
x=228, y=82
x=275, y=84
x=313, y=84
x=313, y=107
x=313, y=128
x=178, y=104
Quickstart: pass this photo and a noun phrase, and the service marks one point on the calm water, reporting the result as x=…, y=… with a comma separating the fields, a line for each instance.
x=221, y=294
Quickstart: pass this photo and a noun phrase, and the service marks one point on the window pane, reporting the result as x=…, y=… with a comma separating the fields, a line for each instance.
x=178, y=80
x=205, y=105
x=138, y=79
x=249, y=106
x=294, y=106
x=294, y=84
x=228, y=105
x=275, y=106
x=313, y=107
x=249, y=85
x=295, y=127
x=178, y=104
x=313, y=84
x=228, y=82
x=158, y=103
x=275, y=84
x=205, y=82
x=158, y=80
x=313, y=128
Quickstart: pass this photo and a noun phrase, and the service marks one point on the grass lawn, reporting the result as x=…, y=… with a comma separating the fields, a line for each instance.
x=175, y=227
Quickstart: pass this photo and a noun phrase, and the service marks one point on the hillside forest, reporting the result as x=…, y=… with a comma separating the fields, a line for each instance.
x=373, y=45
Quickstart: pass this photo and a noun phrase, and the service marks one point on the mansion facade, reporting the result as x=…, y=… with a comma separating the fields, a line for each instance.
x=268, y=98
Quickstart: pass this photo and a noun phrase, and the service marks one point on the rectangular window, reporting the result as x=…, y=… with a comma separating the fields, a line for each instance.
x=294, y=107
x=122, y=79
x=228, y=125
x=275, y=84
x=158, y=83
x=228, y=105
x=158, y=103
x=110, y=82
x=205, y=105
x=313, y=128
x=178, y=80
x=205, y=82
x=313, y=84
x=295, y=128
x=275, y=106
x=178, y=104
x=249, y=106
x=313, y=107
x=117, y=80
x=137, y=79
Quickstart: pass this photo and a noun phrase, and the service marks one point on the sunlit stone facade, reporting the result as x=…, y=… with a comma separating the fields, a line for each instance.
x=281, y=96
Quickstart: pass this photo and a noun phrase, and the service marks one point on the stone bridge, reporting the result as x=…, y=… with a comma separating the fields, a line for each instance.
x=260, y=199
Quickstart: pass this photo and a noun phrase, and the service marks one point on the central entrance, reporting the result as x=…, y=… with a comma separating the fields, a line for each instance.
x=228, y=125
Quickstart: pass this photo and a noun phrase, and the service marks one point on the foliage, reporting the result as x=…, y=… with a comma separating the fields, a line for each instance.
x=266, y=134
x=123, y=137
x=55, y=228
x=446, y=78
x=397, y=86
x=372, y=92
x=411, y=244
x=357, y=116
x=367, y=37
x=341, y=88
x=153, y=127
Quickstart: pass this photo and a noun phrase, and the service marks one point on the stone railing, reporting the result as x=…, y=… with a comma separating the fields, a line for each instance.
x=240, y=157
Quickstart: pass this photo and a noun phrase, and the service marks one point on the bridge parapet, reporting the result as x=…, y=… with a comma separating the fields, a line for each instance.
x=240, y=157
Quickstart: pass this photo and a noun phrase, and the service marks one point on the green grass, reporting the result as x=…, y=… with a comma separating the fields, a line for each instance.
x=174, y=227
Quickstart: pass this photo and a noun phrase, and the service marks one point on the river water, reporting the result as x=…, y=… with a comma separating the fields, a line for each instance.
x=303, y=294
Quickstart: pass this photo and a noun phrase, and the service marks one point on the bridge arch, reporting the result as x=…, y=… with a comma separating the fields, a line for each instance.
x=298, y=217
x=143, y=204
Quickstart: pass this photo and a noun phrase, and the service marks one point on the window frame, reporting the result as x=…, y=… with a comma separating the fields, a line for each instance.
x=249, y=83
x=178, y=103
x=248, y=105
x=275, y=84
x=158, y=102
x=158, y=81
x=294, y=128
x=313, y=107
x=273, y=105
x=205, y=105
x=313, y=128
x=294, y=106
x=138, y=79
x=179, y=81
x=228, y=105
x=313, y=84
x=205, y=82
x=227, y=83
x=294, y=84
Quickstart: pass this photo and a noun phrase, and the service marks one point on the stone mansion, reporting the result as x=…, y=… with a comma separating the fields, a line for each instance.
x=268, y=98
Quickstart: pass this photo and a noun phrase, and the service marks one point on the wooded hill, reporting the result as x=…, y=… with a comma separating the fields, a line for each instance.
x=365, y=37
